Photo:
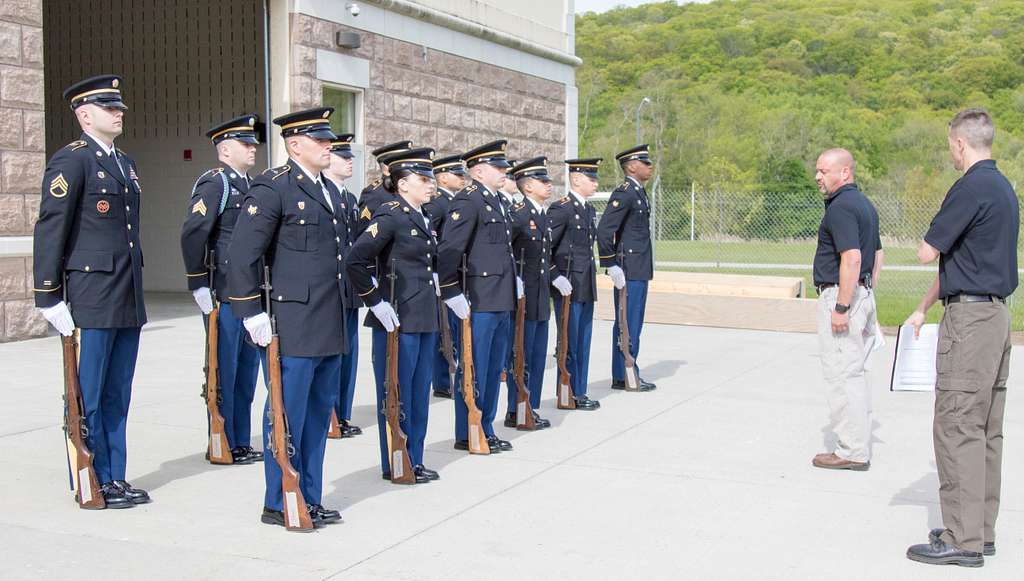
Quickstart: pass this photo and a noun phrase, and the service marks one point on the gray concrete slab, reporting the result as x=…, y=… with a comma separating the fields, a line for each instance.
x=708, y=477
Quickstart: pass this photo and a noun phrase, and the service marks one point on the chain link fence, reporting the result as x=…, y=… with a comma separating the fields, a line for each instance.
x=775, y=234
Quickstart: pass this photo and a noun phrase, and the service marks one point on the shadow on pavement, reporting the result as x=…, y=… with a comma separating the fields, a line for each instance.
x=922, y=492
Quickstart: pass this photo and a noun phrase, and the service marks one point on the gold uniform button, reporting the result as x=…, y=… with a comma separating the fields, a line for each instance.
x=129, y=226
x=131, y=245
x=428, y=269
x=87, y=269
x=339, y=257
x=337, y=239
x=335, y=220
x=485, y=274
x=339, y=277
x=280, y=298
x=302, y=221
x=127, y=208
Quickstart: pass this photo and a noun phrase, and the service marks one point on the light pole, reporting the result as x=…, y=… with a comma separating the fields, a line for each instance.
x=643, y=102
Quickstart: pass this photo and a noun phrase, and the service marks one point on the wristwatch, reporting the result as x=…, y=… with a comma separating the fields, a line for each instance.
x=841, y=308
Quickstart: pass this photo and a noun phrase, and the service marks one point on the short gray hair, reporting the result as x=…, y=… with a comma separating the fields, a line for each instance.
x=975, y=127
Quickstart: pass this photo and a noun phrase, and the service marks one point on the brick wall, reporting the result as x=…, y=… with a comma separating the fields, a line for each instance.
x=21, y=157
x=436, y=99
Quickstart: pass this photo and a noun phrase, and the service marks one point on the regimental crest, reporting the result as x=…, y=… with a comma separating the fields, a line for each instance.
x=455, y=215
x=59, y=186
x=76, y=145
x=615, y=203
x=372, y=229
x=101, y=175
x=199, y=208
x=252, y=209
x=102, y=206
x=302, y=205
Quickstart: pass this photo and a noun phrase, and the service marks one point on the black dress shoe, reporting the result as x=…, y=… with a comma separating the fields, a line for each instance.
x=444, y=393
x=420, y=478
x=585, y=403
x=510, y=420
x=240, y=456
x=989, y=549
x=540, y=422
x=462, y=445
x=938, y=552
x=114, y=496
x=136, y=495
x=326, y=515
x=272, y=517
x=502, y=445
x=349, y=431
x=647, y=385
x=644, y=385
x=618, y=384
x=256, y=455
x=493, y=446
x=427, y=472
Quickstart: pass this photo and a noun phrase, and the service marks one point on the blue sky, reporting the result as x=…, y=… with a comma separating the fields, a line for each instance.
x=603, y=5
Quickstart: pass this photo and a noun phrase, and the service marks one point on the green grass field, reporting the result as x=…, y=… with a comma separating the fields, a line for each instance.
x=896, y=296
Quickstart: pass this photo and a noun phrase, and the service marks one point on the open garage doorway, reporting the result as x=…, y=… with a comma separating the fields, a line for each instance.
x=187, y=65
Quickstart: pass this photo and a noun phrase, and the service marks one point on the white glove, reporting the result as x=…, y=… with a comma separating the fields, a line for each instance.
x=459, y=305
x=437, y=285
x=373, y=279
x=259, y=329
x=618, y=277
x=520, y=288
x=204, y=299
x=60, y=317
x=563, y=285
x=386, y=314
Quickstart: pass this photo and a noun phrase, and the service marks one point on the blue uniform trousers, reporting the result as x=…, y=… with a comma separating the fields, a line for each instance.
x=349, y=361
x=309, y=389
x=490, y=350
x=535, y=345
x=636, y=304
x=581, y=325
x=415, y=367
x=105, y=371
x=239, y=369
x=441, y=379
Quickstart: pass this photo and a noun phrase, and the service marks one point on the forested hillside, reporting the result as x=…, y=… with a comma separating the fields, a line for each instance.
x=746, y=93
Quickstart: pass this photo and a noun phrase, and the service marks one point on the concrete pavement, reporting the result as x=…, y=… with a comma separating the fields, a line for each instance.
x=708, y=477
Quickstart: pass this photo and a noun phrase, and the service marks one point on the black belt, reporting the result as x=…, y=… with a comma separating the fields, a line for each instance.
x=821, y=287
x=966, y=298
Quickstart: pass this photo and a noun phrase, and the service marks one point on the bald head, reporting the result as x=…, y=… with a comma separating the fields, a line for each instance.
x=834, y=169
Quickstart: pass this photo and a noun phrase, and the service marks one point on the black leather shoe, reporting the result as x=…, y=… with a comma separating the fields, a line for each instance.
x=348, y=430
x=989, y=549
x=510, y=420
x=256, y=455
x=136, y=495
x=938, y=552
x=493, y=446
x=462, y=445
x=427, y=472
x=540, y=422
x=420, y=478
x=272, y=517
x=502, y=445
x=114, y=496
x=315, y=517
x=443, y=393
x=644, y=385
x=585, y=403
x=240, y=456
x=326, y=515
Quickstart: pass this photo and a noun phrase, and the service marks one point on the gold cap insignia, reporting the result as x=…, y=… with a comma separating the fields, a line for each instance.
x=199, y=208
x=253, y=209
x=115, y=83
x=252, y=121
x=302, y=205
x=372, y=229
x=365, y=214
x=327, y=114
x=59, y=186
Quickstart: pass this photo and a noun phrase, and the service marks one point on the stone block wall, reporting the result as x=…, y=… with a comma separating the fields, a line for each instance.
x=436, y=99
x=22, y=158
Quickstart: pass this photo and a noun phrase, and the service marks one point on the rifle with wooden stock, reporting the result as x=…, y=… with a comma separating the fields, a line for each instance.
x=296, y=514
x=217, y=449
x=524, y=411
x=447, y=346
x=477, y=440
x=632, y=374
x=398, y=441
x=83, y=476
x=565, y=399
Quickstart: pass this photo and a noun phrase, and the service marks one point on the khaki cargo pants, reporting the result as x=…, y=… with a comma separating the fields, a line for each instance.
x=844, y=360
x=972, y=362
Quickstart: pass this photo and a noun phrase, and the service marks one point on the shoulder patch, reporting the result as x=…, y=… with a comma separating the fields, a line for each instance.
x=59, y=186
x=372, y=229
x=376, y=182
x=391, y=205
x=212, y=172
x=365, y=214
x=276, y=172
x=76, y=144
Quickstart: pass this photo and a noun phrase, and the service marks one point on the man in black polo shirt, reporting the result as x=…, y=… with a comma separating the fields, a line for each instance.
x=974, y=236
x=846, y=266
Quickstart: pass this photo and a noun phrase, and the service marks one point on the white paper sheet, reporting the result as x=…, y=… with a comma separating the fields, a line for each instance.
x=914, y=367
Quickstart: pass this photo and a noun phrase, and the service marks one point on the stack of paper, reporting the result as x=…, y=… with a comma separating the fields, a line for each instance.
x=914, y=367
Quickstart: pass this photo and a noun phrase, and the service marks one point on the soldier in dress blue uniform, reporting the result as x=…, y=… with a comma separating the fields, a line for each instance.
x=478, y=228
x=213, y=209
x=339, y=171
x=399, y=239
x=625, y=229
x=531, y=244
x=573, y=230
x=294, y=220
x=87, y=263
x=450, y=176
x=380, y=190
